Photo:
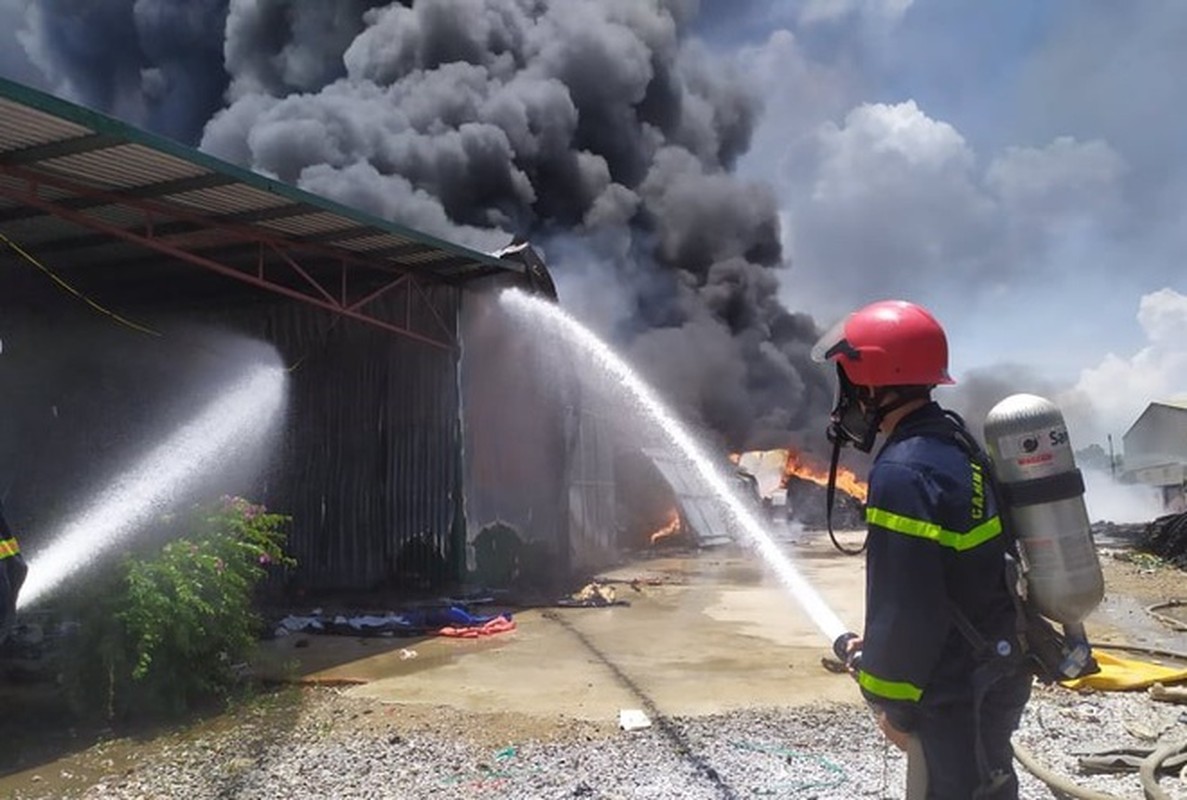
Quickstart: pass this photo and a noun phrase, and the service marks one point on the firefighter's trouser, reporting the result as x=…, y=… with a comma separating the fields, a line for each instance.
x=948, y=736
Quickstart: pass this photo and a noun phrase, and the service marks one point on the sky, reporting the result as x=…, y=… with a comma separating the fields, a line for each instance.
x=713, y=182
x=1019, y=168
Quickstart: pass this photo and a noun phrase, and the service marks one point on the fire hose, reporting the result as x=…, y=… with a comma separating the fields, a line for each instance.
x=1061, y=784
x=1149, y=767
x=1174, y=623
x=1147, y=774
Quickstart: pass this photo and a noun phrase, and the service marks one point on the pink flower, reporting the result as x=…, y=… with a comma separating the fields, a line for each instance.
x=265, y=559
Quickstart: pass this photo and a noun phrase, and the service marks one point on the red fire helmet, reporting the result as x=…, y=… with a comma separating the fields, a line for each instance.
x=888, y=343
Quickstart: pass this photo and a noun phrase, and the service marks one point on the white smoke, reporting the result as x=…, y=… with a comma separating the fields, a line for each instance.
x=1110, y=501
x=1119, y=388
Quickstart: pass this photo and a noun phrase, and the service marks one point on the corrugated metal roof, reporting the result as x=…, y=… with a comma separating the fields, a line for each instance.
x=72, y=181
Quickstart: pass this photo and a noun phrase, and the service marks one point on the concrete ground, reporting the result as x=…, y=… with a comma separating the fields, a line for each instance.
x=704, y=633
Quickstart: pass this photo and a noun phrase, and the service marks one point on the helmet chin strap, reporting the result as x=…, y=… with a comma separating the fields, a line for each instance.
x=842, y=434
x=831, y=496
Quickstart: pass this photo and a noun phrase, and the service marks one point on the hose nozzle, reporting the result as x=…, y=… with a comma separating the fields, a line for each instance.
x=841, y=650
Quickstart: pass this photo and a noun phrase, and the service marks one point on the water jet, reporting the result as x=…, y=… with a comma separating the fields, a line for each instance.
x=238, y=419
x=564, y=326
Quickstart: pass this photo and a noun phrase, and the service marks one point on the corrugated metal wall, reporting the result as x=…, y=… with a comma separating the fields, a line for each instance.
x=593, y=512
x=368, y=464
x=516, y=407
x=370, y=458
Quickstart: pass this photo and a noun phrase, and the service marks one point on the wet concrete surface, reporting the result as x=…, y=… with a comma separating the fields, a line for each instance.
x=705, y=632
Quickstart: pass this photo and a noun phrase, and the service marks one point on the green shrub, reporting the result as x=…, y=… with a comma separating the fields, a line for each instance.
x=169, y=629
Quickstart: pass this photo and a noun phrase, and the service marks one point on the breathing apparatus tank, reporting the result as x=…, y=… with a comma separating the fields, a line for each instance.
x=1043, y=497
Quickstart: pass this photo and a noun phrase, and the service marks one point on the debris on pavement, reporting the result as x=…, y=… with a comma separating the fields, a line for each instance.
x=1168, y=694
x=633, y=719
x=500, y=624
x=593, y=595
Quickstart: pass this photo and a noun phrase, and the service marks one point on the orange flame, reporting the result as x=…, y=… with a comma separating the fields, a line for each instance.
x=847, y=480
x=671, y=527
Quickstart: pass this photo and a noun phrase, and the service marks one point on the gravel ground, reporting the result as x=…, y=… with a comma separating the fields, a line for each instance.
x=334, y=746
x=323, y=743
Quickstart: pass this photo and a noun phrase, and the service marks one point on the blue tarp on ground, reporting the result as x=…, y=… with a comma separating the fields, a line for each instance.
x=408, y=622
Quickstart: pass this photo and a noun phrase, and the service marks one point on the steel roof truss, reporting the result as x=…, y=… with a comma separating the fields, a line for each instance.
x=242, y=232
x=322, y=299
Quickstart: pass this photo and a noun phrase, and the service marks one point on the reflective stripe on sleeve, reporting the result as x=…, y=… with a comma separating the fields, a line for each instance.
x=890, y=690
x=9, y=548
x=929, y=530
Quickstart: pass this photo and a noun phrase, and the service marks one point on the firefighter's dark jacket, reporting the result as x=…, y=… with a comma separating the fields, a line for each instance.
x=935, y=537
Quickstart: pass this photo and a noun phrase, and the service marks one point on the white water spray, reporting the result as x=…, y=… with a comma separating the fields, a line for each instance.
x=239, y=418
x=570, y=329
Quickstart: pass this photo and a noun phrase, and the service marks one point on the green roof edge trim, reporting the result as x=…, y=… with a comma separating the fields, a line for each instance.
x=102, y=123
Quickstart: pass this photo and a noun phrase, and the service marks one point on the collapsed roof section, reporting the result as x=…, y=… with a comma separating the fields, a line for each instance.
x=702, y=510
x=115, y=210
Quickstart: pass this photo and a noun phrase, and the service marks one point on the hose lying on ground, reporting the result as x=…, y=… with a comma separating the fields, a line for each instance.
x=1059, y=783
x=1063, y=785
x=1173, y=623
x=1149, y=769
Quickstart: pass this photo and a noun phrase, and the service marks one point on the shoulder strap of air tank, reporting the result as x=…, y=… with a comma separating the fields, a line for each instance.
x=978, y=454
x=952, y=427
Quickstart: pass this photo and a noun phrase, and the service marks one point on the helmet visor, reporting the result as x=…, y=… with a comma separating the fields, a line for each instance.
x=833, y=343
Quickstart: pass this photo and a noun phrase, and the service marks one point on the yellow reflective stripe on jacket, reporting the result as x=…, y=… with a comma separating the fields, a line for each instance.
x=9, y=548
x=890, y=690
x=930, y=530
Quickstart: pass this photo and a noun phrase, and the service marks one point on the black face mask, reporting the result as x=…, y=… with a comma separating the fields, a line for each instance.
x=849, y=423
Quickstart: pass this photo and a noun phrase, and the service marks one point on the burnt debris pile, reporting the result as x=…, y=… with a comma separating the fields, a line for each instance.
x=1166, y=537
x=808, y=504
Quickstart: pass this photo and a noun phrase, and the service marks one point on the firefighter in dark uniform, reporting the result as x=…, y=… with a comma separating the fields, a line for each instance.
x=12, y=575
x=936, y=551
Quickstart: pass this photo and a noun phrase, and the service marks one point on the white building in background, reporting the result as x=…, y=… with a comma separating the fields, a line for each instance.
x=1156, y=451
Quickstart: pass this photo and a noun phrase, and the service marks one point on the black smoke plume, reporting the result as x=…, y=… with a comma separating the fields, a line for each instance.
x=603, y=130
x=155, y=63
